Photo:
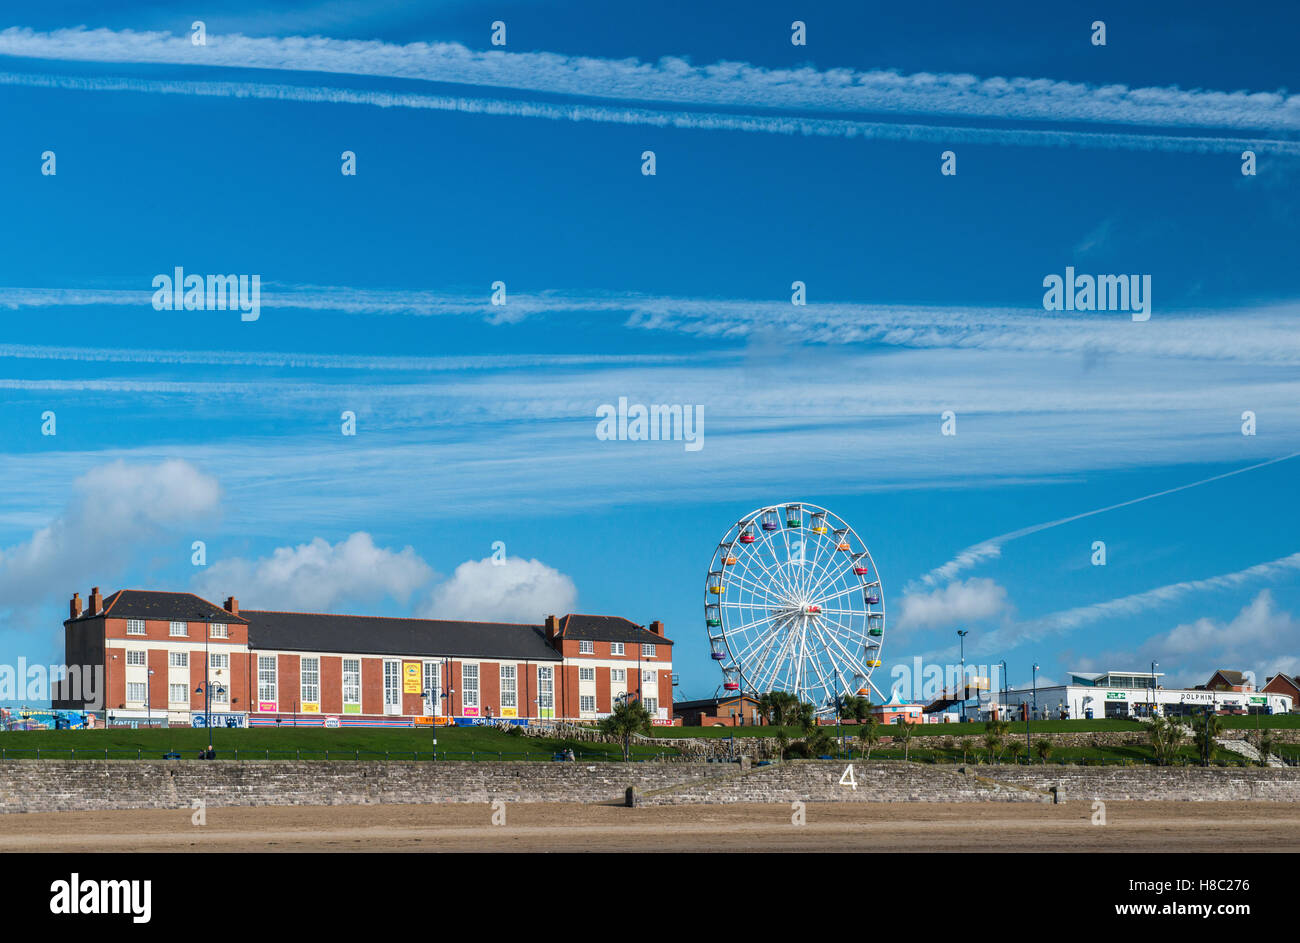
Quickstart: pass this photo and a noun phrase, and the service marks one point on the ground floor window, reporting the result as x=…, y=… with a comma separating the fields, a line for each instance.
x=351, y=680
x=509, y=693
x=469, y=685
x=587, y=703
x=266, y=678
x=545, y=691
x=311, y=680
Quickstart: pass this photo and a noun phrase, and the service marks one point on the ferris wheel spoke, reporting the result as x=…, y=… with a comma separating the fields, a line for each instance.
x=773, y=572
x=835, y=571
x=849, y=657
x=749, y=644
x=761, y=660
x=815, y=566
x=782, y=655
x=783, y=588
x=753, y=585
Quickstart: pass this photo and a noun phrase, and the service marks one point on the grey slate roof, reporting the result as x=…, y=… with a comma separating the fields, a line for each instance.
x=608, y=629
x=375, y=635
x=153, y=604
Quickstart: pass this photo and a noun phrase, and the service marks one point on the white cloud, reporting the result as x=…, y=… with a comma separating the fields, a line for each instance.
x=1260, y=638
x=115, y=509
x=686, y=120
x=317, y=576
x=674, y=81
x=958, y=602
x=1069, y=619
x=516, y=590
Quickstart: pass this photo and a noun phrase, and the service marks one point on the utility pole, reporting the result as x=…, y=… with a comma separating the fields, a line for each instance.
x=961, y=641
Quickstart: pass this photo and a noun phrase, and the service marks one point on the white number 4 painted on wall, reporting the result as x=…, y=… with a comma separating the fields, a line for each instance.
x=847, y=779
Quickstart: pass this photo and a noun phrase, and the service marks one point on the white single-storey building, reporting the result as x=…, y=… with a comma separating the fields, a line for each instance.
x=1125, y=694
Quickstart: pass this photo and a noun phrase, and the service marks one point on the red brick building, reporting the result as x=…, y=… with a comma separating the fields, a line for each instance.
x=261, y=667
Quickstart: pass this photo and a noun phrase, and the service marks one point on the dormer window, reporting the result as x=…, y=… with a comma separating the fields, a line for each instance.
x=135, y=627
x=648, y=651
x=218, y=630
x=586, y=648
x=179, y=628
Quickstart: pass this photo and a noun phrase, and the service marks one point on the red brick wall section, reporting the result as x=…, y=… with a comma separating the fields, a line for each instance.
x=288, y=689
x=603, y=704
x=331, y=684
x=489, y=688
x=157, y=687
x=372, y=685
x=115, y=679
x=198, y=663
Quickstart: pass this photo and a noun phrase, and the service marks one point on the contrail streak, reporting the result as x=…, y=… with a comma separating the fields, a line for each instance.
x=991, y=548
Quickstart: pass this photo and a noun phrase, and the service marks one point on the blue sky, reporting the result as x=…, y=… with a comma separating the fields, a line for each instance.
x=522, y=164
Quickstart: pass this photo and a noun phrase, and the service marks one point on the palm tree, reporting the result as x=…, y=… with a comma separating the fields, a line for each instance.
x=869, y=734
x=1264, y=743
x=1018, y=749
x=858, y=708
x=1165, y=735
x=776, y=706
x=1043, y=747
x=993, y=743
x=629, y=717
x=1208, y=727
x=905, y=734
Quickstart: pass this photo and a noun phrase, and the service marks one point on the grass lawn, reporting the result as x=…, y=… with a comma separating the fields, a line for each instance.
x=1277, y=721
x=1108, y=756
x=973, y=729
x=454, y=743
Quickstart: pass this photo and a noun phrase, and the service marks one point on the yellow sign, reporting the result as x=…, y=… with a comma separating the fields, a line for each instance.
x=310, y=708
x=509, y=712
x=411, y=681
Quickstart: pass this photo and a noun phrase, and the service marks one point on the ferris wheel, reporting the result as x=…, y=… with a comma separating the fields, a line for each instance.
x=793, y=602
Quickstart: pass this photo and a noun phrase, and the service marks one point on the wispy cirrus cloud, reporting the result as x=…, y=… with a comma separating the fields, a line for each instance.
x=1262, y=334
x=1067, y=620
x=675, y=80
x=656, y=93
x=684, y=120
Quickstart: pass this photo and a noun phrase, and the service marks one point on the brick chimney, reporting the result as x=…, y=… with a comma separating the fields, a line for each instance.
x=232, y=605
x=657, y=628
x=96, y=602
x=74, y=606
x=552, y=627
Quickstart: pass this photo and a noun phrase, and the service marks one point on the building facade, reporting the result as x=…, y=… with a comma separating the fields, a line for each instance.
x=180, y=657
x=1130, y=694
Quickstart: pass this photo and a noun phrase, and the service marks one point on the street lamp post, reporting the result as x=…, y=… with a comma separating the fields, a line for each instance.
x=206, y=688
x=1152, y=709
x=961, y=641
x=1002, y=707
x=1028, y=743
